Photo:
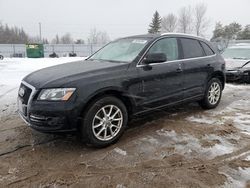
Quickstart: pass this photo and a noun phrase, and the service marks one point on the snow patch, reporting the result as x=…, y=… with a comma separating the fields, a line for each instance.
x=240, y=121
x=187, y=145
x=204, y=120
x=120, y=151
x=120, y=186
x=235, y=178
x=247, y=158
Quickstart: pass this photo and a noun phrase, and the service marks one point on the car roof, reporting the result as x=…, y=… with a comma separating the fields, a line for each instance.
x=154, y=36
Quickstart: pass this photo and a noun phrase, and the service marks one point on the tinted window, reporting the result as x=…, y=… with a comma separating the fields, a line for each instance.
x=207, y=49
x=191, y=48
x=168, y=46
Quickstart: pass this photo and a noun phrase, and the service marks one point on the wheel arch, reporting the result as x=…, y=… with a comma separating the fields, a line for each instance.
x=221, y=76
x=115, y=92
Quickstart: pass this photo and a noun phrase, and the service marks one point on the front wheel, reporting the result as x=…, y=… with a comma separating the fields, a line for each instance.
x=1, y=57
x=104, y=122
x=212, y=95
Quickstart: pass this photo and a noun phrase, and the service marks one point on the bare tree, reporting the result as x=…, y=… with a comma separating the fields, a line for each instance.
x=67, y=39
x=103, y=37
x=98, y=37
x=185, y=20
x=169, y=23
x=55, y=40
x=200, y=20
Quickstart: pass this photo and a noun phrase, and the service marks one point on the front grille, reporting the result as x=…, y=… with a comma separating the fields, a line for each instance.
x=27, y=93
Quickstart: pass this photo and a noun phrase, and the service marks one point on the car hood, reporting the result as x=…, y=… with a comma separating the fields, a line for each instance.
x=70, y=71
x=234, y=64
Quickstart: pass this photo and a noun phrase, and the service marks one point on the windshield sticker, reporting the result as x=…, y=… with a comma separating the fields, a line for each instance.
x=137, y=41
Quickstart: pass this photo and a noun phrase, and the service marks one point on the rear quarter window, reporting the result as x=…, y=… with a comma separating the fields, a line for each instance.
x=207, y=49
x=191, y=48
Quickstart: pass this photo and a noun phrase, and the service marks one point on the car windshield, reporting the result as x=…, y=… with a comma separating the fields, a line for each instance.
x=122, y=50
x=237, y=53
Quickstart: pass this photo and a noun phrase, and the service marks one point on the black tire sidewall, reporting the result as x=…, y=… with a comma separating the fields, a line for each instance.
x=205, y=103
x=86, y=129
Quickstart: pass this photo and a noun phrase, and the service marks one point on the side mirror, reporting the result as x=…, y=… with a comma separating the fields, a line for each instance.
x=155, y=58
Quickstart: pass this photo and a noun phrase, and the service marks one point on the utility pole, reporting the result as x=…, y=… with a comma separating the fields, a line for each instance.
x=40, y=31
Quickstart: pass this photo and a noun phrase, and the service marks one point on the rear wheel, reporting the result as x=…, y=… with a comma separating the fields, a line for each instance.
x=212, y=95
x=104, y=122
x=1, y=57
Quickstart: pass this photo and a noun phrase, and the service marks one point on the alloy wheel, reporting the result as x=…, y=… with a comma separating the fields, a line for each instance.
x=214, y=93
x=107, y=122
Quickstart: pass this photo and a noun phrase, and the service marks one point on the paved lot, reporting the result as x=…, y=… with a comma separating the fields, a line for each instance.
x=178, y=147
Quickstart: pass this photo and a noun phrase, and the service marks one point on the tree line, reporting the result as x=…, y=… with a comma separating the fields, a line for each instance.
x=12, y=35
x=193, y=20
x=15, y=35
x=231, y=31
x=188, y=20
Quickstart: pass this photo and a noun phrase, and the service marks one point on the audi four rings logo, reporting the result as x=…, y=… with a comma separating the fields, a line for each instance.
x=21, y=92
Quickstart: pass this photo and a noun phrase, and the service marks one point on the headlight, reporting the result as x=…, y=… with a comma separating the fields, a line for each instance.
x=57, y=94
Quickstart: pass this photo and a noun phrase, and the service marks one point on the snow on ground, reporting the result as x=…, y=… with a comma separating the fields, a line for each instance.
x=236, y=177
x=204, y=120
x=193, y=144
x=183, y=136
x=12, y=71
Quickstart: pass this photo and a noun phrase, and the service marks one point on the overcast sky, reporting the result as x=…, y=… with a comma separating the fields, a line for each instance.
x=118, y=18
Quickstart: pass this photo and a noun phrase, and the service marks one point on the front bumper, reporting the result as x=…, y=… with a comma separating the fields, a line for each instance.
x=46, y=116
x=238, y=76
x=49, y=123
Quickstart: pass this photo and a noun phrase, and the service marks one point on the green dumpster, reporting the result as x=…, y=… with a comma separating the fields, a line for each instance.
x=34, y=50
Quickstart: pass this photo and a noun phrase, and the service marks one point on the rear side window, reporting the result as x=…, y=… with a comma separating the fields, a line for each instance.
x=168, y=46
x=191, y=48
x=207, y=49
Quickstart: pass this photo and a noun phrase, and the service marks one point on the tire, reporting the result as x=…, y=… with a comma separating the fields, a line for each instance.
x=1, y=57
x=212, y=94
x=100, y=130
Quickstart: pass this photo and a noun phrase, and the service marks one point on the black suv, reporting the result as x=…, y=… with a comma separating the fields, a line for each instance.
x=127, y=77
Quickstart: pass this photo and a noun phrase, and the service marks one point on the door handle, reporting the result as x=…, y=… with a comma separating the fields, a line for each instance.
x=179, y=70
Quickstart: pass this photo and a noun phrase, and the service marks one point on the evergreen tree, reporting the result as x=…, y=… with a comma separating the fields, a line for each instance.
x=155, y=25
x=227, y=32
x=245, y=34
x=232, y=30
x=12, y=35
x=218, y=31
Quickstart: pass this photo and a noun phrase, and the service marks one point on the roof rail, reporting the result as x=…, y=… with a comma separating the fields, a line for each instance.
x=185, y=34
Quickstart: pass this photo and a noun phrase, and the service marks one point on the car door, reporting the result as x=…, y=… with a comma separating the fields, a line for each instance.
x=196, y=67
x=161, y=82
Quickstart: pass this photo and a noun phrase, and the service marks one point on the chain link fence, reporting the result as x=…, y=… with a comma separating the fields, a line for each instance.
x=62, y=50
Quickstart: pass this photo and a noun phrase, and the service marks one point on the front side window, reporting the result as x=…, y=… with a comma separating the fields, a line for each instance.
x=122, y=50
x=191, y=48
x=168, y=46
